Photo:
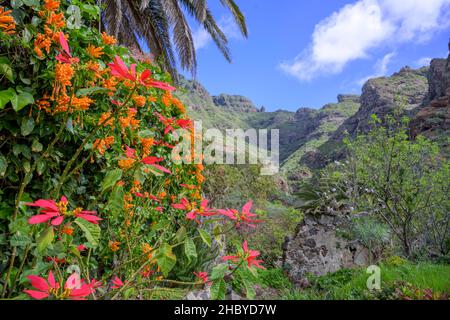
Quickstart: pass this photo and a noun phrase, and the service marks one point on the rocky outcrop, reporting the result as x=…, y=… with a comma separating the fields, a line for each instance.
x=235, y=103
x=407, y=88
x=348, y=98
x=316, y=248
x=439, y=78
x=433, y=119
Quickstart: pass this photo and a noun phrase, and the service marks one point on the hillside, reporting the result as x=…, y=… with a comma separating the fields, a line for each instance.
x=310, y=138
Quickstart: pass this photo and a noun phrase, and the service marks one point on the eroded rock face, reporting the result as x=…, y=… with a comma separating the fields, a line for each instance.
x=235, y=102
x=317, y=248
x=433, y=120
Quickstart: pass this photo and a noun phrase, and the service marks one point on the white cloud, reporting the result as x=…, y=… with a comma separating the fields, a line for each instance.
x=226, y=24
x=425, y=61
x=381, y=67
x=201, y=38
x=352, y=32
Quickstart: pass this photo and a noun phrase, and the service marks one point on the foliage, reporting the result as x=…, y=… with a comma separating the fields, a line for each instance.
x=163, y=25
x=228, y=186
x=274, y=278
x=88, y=186
x=402, y=182
x=373, y=234
x=280, y=220
x=346, y=284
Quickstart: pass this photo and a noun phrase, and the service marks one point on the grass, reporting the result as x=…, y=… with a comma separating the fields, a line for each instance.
x=350, y=284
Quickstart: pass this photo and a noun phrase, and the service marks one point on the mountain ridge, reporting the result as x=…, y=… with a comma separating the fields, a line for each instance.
x=310, y=138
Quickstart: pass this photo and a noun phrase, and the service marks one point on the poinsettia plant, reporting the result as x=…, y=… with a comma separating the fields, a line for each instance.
x=88, y=186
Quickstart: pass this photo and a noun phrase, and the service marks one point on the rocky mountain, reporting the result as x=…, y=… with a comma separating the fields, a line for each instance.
x=310, y=138
x=234, y=103
x=433, y=119
x=296, y=128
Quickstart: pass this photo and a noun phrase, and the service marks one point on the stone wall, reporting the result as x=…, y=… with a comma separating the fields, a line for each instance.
x=317, y=248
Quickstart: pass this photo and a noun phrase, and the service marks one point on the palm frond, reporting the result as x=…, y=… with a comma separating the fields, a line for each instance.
x=237, y=14
x=182, y=36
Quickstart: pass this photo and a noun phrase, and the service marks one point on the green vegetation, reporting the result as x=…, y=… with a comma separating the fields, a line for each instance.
x=397, y=282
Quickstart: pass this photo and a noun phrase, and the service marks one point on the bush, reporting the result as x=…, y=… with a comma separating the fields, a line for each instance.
x=403, y=183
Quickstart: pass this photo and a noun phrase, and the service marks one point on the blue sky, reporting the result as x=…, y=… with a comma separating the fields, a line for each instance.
x=304, y=53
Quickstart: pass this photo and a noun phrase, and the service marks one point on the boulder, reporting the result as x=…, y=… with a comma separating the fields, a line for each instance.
x=317, y=248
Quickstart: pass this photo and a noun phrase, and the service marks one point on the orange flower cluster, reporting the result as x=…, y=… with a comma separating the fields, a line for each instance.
x=110, y=83
x=146, y=144
x=179, y=105
x=125, y=164
x=94, y=52
x=101, y=145
x=147, y=250
x=44, y=104
x=63, y=77
x=63, y=74
x=81, y=104
x=129, y=120
x=106, y=119
x=108, y=40
x=7, y=23
x=114, y=245
x=67, y=229
x=51, y=5
x=55, y=21
x=42, y=42
x=95, y=68
x=139, y=100
x=166, y=99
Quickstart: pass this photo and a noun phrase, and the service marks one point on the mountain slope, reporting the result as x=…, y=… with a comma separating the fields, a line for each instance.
x=310, y=138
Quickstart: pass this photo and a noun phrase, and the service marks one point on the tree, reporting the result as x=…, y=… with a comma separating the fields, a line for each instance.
x=402, y=182
x=152, y=22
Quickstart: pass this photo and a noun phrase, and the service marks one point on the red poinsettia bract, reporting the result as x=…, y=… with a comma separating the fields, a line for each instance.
x=65, y=56
x=74, y=288
x=57, y=211
x=120, y=70
x=193, y=211
x=249, y=256
x=245, y=216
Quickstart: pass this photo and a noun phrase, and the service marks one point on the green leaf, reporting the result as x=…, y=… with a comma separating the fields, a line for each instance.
x=250, y=291
x=91, y=231
x=165, y=258
x=219, y=271
x=115, y=201
x=41, y=166
x=205, y=237
x=36, y=146
x=190, y=249
x=3, y=165
x=181, y=234
x=22, y=149
x=26, y=166
x=20, y=240
x=6, y=96
x=218, y=290
x=6, y=69
x=31, y=3
x=88, y=91
x=110, y=179
x=218, y=235
x=27, y=126
x=45, y=238
x=19, y=101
